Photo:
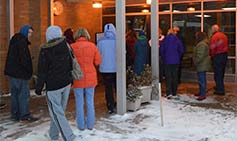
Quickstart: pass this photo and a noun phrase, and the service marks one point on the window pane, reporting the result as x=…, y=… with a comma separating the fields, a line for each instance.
x=164, y=23
x=187, y=7
x=226, y=21
x=218, y=5
x=164, y=8
x=189, y=24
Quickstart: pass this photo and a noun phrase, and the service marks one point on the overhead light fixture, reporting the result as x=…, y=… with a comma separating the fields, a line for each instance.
x=96, y=4
x=148, y=1
x=145, y=11
x=229, y=8
x=205, y=16
x=191, y=8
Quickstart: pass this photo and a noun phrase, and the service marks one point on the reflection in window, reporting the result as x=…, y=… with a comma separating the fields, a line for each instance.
x=220, y=5
x=187, y=7
x=226, y=21
x=164, y=23
x=189, y=24
x=164, y=8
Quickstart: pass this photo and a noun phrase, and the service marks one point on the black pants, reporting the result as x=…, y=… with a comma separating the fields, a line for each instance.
x=110, y=89
x=171, y=79
x=219, y=63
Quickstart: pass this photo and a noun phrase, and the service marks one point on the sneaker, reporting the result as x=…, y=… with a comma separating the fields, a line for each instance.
x=219, y=93
x=175, y=96
x=169, y=96
x=3, y=105
x=197, y=94
x=200, y=98
x=110, y=111
x=29, y=119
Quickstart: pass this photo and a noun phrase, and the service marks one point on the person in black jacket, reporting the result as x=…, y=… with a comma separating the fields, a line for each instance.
x=54, y=71
x=19, y=69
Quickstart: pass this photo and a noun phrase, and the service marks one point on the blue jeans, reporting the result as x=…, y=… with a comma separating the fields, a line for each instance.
x=19, y=98
x=89, y=121
x=202, y=83
x=57, y=103
x=219, y=63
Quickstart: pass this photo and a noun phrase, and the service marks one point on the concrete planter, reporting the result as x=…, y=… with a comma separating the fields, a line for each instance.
x=146, y=93
x=134, y=105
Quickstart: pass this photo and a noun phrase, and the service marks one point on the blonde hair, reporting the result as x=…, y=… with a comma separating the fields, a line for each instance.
x=82, y=32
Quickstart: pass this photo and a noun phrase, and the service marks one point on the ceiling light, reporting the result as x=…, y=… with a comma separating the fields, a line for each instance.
x=148, y=1
x=145, y=11
x=205, y=16
x=191, y=8
x=97, y=4
x=229, y=8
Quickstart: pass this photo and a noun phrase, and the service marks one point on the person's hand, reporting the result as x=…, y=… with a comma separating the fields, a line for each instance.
x=38, y=92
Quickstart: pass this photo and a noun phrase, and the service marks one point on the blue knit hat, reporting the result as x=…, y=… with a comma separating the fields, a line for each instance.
x=25, y=29
x=53, y=32
x=141, y=33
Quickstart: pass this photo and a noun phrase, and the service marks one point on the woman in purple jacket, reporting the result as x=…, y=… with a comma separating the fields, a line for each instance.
x=171, y=50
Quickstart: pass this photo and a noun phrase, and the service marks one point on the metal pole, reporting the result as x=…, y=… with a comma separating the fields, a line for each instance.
x=154, y=38
x=154, y=44
x=161, y=108
x=121, y=58
x=50, y=14
x=10, y=12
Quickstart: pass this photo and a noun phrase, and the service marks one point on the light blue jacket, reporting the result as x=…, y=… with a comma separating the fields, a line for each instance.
x=107, y=48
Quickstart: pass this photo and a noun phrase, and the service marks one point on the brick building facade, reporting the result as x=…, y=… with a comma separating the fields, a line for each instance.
x=36, y=13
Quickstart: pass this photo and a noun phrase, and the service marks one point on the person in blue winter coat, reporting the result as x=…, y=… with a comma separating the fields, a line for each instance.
x=107, y=48
x=171, y=51
x=141, y=53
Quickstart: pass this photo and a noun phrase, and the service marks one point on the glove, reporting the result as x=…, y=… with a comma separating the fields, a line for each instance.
x=38, y=92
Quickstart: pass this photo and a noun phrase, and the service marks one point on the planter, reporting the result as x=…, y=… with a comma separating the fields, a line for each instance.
x=146, y=93
x=134, y=105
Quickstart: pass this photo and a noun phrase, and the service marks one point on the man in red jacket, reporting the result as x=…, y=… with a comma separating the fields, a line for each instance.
x=219, y=53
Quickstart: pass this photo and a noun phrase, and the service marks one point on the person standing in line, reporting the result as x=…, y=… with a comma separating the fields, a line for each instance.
x=19, y=69
x=141, y=53
x=88, y=56
x=219, y=53
x=176, y=30
x=131, y=39
x=69, y=35
x=161, y=37
x=171, y=50
x=202, y=61
x=54, y=71
x=107, y=48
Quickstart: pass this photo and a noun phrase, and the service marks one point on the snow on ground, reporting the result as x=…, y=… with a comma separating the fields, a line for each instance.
x=182, y=122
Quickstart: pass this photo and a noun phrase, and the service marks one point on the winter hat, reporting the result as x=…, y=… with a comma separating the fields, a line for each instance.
x=25, y=29
x=53, y=32
x=141, y=33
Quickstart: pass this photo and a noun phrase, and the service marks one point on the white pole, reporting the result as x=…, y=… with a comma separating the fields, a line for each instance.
x=121, y=58
x=161, y=108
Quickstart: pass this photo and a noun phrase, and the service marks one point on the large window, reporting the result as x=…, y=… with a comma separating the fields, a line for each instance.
x=189, y=24
x=226, y=21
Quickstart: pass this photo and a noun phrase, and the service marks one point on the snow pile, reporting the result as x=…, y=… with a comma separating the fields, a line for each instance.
x=182, y=122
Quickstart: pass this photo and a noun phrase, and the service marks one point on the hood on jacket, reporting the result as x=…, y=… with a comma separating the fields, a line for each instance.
x=109, y=31
x=25, y=29
x=53, y=32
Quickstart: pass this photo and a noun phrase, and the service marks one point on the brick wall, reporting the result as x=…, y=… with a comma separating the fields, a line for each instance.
x=76, y=15
x=3, y=43
x=35, y=13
